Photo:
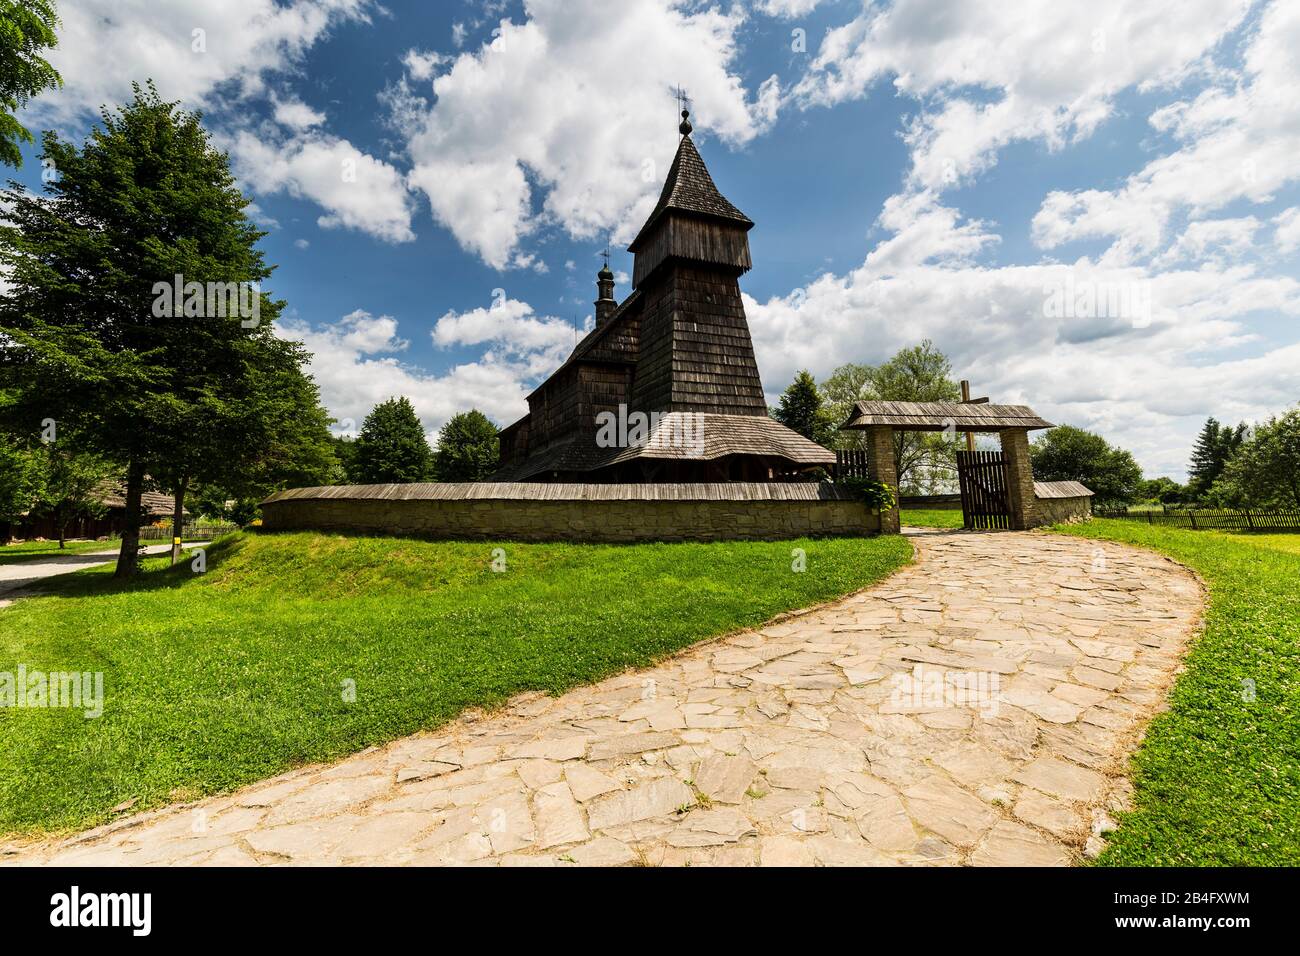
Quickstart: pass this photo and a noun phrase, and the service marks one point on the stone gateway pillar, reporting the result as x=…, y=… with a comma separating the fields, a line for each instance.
x=1020, y=479
x=880, y=451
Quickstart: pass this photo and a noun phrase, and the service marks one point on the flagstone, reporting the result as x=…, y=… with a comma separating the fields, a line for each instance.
x=559, y=820
x=1010, y=844
x=1062, y=779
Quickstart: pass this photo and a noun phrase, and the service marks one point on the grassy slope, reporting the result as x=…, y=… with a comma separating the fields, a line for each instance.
x=218, y=680
x=33, y=550
x=1218, y=776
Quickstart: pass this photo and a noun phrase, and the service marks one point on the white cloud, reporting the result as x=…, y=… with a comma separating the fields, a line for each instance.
x=357, y=363
x=1239, y=141
x=509, y=325
x=420, y=64
x=786, y=9
x=536, y=112
x=296, y=114
x=106, y=45
x=1287, y=234
x=1213, y=239
x=990, y=72
x=356, y=190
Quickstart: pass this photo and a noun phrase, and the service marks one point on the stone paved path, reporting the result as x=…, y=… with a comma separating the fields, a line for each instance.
x=16, y=577
x=975, y=708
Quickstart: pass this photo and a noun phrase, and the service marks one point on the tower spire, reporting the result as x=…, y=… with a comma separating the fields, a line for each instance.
x=605, y=301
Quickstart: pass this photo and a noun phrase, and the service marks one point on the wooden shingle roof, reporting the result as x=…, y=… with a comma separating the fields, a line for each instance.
x=690, y=189
x=679, y=436
x=1061, y=489
x=938, y=416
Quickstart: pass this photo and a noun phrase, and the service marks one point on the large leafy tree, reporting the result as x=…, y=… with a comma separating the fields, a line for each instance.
x=922, y=373
x=1215, y=447
x=1266, y=468
x=177, y=394
x=846, y=386
x=26, y=29
x=1066, y=453
x=468, y=448
x=800, y=409
x=391, y=447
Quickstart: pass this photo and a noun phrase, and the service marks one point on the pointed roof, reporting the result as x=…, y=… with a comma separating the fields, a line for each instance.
x=690, y=189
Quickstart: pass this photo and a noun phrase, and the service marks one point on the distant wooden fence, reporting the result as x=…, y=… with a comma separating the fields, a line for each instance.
x=191, y=532
x=851, y=463
x=1223, y=519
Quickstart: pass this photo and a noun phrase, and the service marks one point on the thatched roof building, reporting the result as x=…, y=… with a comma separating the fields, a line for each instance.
x=665, y=387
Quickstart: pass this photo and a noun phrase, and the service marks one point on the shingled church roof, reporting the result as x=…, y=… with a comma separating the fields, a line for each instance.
x=690, y=189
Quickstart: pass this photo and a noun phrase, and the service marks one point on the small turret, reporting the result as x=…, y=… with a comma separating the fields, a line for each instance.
x=605, y=302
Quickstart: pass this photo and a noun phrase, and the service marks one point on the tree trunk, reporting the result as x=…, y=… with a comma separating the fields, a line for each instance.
x=178, y=519
x=63, y=534
x=131, y=523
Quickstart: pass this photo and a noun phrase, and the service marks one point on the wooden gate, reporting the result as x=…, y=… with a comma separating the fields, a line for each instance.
x=983, y=479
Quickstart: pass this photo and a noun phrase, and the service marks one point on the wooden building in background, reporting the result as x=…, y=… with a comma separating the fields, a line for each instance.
x=675, y=355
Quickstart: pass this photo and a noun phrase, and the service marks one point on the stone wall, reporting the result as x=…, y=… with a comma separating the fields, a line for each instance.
x=1063, y=510
x=519, y=513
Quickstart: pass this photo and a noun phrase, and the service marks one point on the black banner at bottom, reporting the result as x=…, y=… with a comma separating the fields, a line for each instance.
x=337, y=905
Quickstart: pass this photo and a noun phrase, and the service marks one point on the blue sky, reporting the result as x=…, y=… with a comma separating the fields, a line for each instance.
x=437, y=180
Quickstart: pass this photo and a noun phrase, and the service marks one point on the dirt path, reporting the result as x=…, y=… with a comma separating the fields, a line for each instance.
x=976, y=708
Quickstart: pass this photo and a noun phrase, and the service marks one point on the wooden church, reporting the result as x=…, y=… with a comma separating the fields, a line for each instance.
x=665, y=387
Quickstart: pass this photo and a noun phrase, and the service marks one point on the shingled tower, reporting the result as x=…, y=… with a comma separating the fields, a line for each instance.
x=696, y=353
x=677, y=350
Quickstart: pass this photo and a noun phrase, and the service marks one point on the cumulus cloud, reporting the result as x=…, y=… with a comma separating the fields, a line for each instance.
x=190, y=48
x=508, y=325
x=356, y=190
x=990, y=72
x=358, y=362
x=532, y=127
x=295, y=114
x=1286, y=235
x=1238, y=142
x=787, y=9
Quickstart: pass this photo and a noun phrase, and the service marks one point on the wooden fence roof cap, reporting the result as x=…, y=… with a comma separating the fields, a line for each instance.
x=572, y=491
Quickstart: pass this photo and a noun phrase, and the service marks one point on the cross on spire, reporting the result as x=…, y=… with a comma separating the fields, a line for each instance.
x=682, y=101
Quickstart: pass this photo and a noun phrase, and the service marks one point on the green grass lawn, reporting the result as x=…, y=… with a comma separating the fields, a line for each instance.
x=32, y=550
x=931, y=517
x=1218, y=777
x=216, y=680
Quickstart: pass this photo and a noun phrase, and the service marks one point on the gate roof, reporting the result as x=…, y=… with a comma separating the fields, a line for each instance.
x=939, y=416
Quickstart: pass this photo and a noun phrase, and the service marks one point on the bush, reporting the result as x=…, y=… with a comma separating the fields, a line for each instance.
x=875, y=493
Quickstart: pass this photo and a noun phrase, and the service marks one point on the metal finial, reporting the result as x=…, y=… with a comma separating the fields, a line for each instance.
x=685, y=128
